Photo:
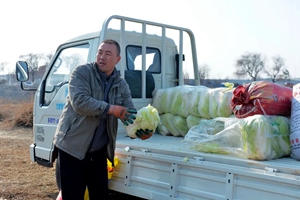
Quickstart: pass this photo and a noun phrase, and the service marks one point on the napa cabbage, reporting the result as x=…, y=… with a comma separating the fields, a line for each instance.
x=146, y=118
x=192, y=120
x=174, y=125
x=194, y=100
x=203, y=105
x=215, y=95
x=180, y=125
x=265, y=137
x=257, y=137
x=281, y=126
x=224, y=108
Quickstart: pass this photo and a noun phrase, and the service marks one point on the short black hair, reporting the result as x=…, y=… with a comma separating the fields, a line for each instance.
x=111, y=41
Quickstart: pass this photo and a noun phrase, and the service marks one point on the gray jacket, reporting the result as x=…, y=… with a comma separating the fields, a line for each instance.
x=83, y=109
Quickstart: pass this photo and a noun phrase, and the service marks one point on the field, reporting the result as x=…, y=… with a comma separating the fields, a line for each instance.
x=21, y=179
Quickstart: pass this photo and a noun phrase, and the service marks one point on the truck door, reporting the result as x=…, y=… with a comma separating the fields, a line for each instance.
x=50, y=99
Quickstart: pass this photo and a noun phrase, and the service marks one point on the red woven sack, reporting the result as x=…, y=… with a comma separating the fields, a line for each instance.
x=261, y=97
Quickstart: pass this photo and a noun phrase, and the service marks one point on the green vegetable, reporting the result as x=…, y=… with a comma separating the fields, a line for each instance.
x=165, y=100
x=210, y=126
x=192, y=120
x=224, y=108
x=258, y=137
x=228, y=85
x=194, y=100
x=162, y=99
x=262, y=139
x=203, y=105
x=186, y=159
x=281, y=126
x=176, y=101
x=199, y=101
x=167, y=122
x=180, y=125
x=162, y=129
x=214, y=98
x=146, y=118
x=172, y=125
x=211, y=148
x=157, y=96
x=186, y=93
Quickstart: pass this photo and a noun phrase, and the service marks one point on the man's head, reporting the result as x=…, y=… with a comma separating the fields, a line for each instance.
x=108, y=56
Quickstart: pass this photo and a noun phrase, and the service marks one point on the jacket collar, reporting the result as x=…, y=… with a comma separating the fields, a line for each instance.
x=101, y=76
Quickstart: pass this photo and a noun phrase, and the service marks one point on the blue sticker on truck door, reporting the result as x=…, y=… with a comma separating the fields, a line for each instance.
x=52, y=120
x=59, y=106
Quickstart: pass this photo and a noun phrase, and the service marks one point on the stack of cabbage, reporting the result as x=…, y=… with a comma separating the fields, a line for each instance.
x=258, y=137
x=182, y=107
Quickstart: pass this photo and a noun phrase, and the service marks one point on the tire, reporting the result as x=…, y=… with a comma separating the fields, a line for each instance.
x=57, y=174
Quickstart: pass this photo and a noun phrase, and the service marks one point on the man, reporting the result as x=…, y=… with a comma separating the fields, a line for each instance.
x=86, y=132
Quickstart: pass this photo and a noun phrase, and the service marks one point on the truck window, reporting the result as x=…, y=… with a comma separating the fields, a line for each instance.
x=59, y=74
x=133, y=74
x=134, y=59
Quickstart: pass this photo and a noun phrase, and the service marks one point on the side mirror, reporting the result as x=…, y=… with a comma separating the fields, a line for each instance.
x=22, y=73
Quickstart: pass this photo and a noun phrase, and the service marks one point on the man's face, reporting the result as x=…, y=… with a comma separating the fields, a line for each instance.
x=107, y=58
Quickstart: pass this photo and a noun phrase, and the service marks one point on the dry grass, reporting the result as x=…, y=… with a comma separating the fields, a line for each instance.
x=19, y=177
x=15, y=114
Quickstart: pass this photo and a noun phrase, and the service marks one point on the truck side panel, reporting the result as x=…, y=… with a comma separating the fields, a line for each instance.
x=165, y=175
x=154, y=176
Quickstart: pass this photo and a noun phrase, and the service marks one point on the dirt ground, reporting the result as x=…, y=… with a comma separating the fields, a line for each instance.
x=20, y=179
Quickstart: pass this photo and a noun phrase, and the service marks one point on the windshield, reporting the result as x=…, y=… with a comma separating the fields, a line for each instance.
x=67, y=59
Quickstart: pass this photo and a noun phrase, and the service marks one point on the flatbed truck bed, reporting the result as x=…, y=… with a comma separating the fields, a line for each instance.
x=164, y=167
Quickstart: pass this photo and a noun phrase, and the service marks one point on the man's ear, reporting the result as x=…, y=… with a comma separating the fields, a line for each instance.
x=118, y=59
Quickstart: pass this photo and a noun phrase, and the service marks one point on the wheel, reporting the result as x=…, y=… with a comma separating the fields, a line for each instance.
x=57, y=174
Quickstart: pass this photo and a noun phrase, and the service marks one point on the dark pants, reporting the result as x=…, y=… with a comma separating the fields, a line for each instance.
x=76, y=175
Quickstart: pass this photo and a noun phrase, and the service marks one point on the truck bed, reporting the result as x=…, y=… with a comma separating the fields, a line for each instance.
x=158, y=168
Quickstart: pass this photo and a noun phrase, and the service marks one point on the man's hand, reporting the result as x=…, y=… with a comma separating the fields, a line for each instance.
x=144, y=134
x=125, y=115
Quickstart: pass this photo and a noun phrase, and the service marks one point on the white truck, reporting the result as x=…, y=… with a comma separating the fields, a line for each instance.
x=154, y=168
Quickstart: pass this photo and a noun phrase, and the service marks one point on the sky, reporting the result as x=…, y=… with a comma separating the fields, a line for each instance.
x=224, y=29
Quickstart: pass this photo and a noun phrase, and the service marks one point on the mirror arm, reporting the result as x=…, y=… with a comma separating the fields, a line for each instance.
x=27, y=89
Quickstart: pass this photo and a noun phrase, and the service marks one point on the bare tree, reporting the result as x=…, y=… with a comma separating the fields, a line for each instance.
x=277, y=70
x=186, y=77
x=250, y=64
x=12, y=77
x=204, y=71
x=73, y=61
x=286, y=74
x=2, y=66
x=47, y=57
x=33, y=61
x=240, y=73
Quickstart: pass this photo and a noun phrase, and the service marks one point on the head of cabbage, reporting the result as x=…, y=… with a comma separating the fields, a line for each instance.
x=146, y=118
x=265, y=137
